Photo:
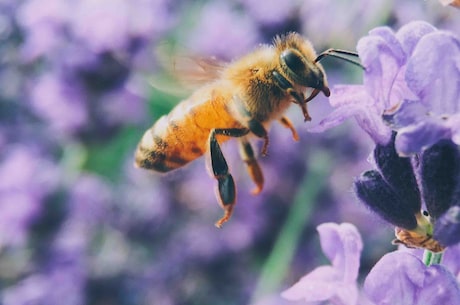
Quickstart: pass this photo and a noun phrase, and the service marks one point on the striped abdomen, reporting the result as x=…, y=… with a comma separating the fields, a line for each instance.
x=181, y=136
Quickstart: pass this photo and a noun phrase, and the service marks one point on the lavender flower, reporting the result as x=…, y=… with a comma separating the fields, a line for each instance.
x=397, y=278
x=394, y=193
x=411, y=84
x=401, y=278
x=337, y=283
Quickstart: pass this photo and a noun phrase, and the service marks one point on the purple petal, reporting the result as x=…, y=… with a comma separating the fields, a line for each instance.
x=354, y=101
x=342, y=244
x=347, y=100
x=373, y=124
x=409, y=113
x=451, y=261
x=380, y=39
x=343, y=95
x=447, y=228
x=440, y=287
x=366, y=118
x=323, y=284
x=383, y=57
x=432, y=73
x=315, y=286
x=410, y=34
x=401, y=278
x=414, y=138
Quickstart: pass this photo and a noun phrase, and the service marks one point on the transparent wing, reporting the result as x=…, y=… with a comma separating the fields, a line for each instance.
x=180, y=74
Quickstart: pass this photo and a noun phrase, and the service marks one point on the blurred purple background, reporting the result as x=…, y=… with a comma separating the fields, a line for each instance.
x=80, y=225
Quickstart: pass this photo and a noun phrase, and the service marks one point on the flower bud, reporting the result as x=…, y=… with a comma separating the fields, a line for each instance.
x=378, y=195
x=399, y=174
x=440, y=173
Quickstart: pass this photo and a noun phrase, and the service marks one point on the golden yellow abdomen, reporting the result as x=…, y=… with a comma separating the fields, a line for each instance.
x=182, y=135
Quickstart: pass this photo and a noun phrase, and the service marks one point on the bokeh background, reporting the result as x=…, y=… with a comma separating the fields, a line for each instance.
x=80, y=225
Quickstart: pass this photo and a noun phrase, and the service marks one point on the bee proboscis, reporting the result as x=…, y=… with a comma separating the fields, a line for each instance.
x=241, y=101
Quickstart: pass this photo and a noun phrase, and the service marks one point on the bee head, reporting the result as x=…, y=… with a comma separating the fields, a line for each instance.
x=299, y=70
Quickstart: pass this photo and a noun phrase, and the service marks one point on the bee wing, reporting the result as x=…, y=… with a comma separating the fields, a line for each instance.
x=195, y=71
x=181, y=73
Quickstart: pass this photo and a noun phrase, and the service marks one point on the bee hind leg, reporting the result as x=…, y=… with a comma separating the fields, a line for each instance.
x=225, y=184
x=253, y=168
x=259, y=130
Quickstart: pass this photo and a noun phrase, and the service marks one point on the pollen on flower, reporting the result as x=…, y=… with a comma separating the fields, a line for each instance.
x=421, y=236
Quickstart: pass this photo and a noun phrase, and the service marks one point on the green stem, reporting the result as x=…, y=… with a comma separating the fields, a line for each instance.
x=431, y=258
x=436, y=258
x=277, y=264
x=427, y=254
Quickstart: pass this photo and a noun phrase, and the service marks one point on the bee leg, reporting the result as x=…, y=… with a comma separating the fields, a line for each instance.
x=259, y=130
x=301, y=101
x=252, y=124
x=299, y=98
x=225, y=183
x=247, y=154
x=288, y=124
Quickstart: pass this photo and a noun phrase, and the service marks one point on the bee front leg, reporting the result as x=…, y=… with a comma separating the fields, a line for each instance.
x=247, y=154
x=225, y=183
x=299, y=98
x=288, y=124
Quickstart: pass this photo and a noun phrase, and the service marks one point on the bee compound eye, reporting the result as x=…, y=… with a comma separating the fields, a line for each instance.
x=293, y=61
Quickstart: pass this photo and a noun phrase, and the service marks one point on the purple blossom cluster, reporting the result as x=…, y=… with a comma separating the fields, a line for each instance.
x=408, y=104
x=80, y=56
x=410, y=85
x=398, y=187
x=399, y=277
x=78, y=223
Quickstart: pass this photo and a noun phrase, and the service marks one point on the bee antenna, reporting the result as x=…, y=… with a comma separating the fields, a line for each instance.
x=340, y=54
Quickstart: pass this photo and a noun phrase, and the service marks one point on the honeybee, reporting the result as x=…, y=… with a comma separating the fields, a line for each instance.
x=240, y=100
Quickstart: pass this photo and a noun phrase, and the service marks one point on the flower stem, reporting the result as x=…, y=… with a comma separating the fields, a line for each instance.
x=436, y=258
x=276, y=266
x=427, y=255
x=430, y=258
